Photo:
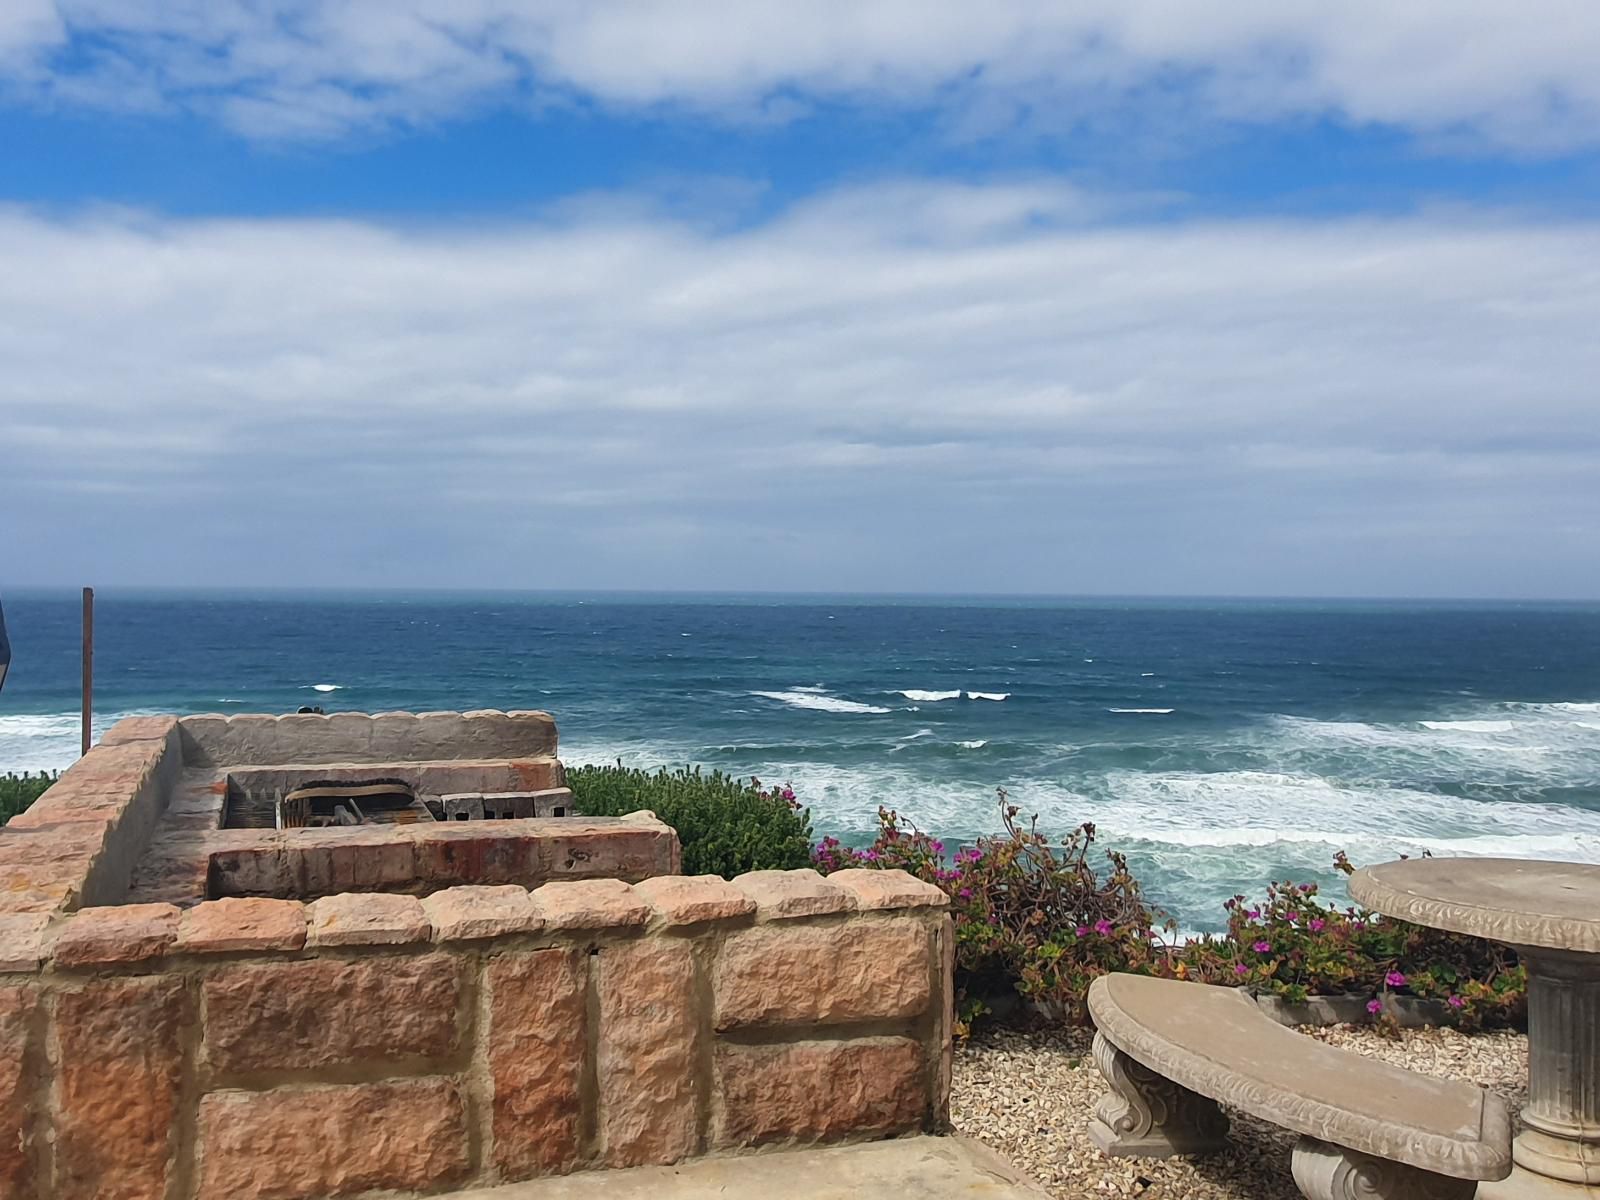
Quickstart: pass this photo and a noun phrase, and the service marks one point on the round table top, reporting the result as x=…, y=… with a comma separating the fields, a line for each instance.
x=1552, y=905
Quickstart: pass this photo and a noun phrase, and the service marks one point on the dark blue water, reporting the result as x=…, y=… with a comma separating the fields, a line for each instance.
x=1220, y=742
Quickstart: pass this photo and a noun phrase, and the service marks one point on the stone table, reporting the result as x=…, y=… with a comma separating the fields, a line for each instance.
x=1550, y=912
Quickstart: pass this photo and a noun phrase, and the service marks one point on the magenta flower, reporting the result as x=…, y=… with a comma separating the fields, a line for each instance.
x=1395, y=979
x=965, y=893
x=1082, y=931
x=1240, y=969
x=1103, y=927
x=1254, y=914
x=1456, y=1002
x=1374, y=1006
x=938, y=847
x=1358, y=924
x=1293, y=917
x=1262, y=947
x=1317, y=925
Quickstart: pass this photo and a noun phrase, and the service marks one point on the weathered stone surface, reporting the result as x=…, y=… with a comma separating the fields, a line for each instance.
x=590, y=904
x=219, y=926
x=117, y=1087
x=1215, y=1042
x=691, y=899
x=25, y=941
x=367, y=919
x=361, y=858
x=319, y=1013
x=611, y=848
x=464, y=913
x=20, y=1110
x=405, y=1135
x=871, y=969
x=537, y=1044
x=818, y=1091
x=471, y=852
x=646, y=1063
x=1555, y=905
x=66, y=848
x=140, y=729
x=888, y=889
x=264, y=740
x=945, y=1036
x=124, y=933
x=802, y=893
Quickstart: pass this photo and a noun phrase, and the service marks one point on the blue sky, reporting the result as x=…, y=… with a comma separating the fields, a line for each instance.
x=873, y=296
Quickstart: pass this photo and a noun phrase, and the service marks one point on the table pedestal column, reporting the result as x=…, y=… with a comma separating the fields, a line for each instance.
x=1558, y=1152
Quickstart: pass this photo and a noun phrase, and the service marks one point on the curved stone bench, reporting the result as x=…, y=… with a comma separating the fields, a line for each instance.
x=1171, y=1050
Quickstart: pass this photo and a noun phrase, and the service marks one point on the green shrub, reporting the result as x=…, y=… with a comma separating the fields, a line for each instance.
x=726, y=825
x=1040, y=919
x=19, y=791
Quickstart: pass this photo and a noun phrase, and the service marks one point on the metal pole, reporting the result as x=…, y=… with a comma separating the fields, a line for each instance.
x=88, y=664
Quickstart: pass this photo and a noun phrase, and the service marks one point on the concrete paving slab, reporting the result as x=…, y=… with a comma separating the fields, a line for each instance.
x=923, y=1168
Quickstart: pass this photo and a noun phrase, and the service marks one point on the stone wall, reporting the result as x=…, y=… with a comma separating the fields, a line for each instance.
x=368, y=1042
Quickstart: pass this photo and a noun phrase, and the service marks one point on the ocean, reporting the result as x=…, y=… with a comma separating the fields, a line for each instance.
x=1219, y=743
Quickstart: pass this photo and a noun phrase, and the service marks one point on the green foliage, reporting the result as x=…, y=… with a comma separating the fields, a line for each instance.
x=726, y=825
x=19, y=791
x=1041, y=919
x=1294, y=945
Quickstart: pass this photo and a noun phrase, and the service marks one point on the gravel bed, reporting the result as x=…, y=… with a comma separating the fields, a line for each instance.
x=1030, y=1096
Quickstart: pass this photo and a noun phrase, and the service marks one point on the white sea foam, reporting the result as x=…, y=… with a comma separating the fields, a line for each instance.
x=988, y=695
x=1470, y=726
x=975, y=744
x=810, y=687
x=1151, y=711
x=1573, y=706
x=811, y=700
x=49, y=741
x=327, y=687
x=1146, y=674
x=930, y=697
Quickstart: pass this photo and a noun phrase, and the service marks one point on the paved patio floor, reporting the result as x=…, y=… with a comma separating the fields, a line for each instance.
x=926, y=1168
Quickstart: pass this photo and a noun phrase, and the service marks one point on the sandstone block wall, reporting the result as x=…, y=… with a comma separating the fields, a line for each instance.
x=363, y=1042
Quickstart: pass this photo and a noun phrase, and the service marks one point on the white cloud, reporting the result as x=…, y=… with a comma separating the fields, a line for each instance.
x=822, y=400
x=1519, y=77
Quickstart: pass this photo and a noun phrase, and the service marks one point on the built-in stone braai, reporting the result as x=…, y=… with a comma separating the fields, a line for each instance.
x=318, y=956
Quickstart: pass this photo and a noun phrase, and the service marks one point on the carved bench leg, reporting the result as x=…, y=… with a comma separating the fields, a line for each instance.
x=1148, y=1116
x=1324, y=1172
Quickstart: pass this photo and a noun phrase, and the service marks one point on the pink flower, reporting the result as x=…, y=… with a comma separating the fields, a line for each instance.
x=1317, y=925
x=1293, y=917
x=1456, y=1002
x=1262, y=947
x=965, y=893
x=1082, y=931
x=1240, y=969
x=1103, y=927
x=1358, y=924
x=1395, y=979
x=1374, y=1006
x=1254, y=914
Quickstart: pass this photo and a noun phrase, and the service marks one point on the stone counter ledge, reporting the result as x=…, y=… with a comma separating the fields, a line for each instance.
x=142, y=935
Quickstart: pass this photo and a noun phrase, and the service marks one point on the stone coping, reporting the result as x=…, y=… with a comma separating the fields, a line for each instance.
x=266, y=739
x=140, y=935
x=1217, y=1042
x=1547, y=905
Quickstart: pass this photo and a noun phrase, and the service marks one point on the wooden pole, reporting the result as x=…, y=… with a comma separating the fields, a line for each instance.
x=88, y=665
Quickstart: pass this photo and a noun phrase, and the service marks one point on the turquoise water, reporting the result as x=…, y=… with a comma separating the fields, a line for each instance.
x=1220, y=743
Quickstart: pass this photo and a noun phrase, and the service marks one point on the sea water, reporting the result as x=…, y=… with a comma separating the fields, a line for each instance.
x=1220, y=744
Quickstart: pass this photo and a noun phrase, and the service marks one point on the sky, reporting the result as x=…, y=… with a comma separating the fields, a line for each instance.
x=1125, y=297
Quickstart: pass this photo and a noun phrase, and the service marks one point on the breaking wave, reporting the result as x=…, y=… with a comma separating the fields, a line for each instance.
x=820, y=703
x=929, y=697
x=988, y=695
